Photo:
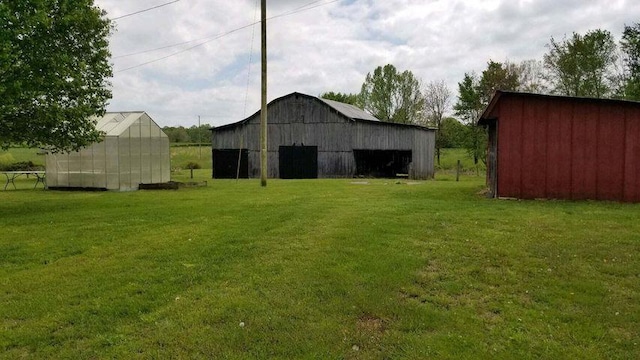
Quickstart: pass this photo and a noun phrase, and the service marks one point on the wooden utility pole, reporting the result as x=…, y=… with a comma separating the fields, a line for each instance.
x=263, y=108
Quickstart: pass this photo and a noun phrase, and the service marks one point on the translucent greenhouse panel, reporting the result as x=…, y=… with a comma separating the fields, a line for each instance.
x=124, y=162
x=51, y=170
x=134, y=129
x=86, y=167
x=111, y=155
x=156, y=159
x=135, y=162
x=75, y=169
x=145, y=130
x=99, y=165
x=62, y=180
x=62, y=169
x=145, y=158
x=166, y=160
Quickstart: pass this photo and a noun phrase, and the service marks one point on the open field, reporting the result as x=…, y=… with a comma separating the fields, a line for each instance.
x=316, y=269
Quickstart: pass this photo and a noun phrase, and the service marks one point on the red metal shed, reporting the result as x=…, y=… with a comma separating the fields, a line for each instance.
x=543, y=146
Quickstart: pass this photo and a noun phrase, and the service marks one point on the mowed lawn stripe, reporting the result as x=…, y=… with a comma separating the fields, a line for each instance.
x=316, y=269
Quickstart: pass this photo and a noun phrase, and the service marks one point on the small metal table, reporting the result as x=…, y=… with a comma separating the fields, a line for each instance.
x=12, y=175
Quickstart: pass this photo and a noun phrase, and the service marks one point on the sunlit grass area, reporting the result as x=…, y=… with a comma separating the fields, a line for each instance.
x=316, y=269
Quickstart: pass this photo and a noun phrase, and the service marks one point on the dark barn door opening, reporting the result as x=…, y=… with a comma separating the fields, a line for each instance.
x=382, y=163
x=298, y=162
x=225, y=163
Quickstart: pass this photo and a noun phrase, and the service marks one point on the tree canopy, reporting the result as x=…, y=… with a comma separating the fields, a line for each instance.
x=583, y=64
x=54, y=71
x=391, y=95
x=342, y=97
x=437, y=98
x=630, y=45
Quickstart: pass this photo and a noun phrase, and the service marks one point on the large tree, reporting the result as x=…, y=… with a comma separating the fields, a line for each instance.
x=437, y=100
x=630, y=45
x=497, y=76
x=468, y=108
x=474, y=95
x=54, y=71
x=582, y=65
x=533, y=77
x=392, y=96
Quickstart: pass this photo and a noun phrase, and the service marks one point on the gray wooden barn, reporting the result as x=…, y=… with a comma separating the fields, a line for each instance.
x=309, y=137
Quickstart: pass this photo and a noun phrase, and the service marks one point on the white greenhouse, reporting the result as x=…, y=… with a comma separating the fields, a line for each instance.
x=134, y=151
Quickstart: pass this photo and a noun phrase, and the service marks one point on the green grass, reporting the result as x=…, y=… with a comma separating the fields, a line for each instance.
x=316, y=269
x=449, y=159
x=182, y=155
x=13, y=155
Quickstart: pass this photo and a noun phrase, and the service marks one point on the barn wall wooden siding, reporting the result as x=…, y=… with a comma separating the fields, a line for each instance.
x=567, y=148
x=305, y=120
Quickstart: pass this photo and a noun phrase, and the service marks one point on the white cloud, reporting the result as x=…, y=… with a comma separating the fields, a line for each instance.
x=329, y=48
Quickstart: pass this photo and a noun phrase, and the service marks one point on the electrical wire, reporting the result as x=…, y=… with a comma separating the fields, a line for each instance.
x=216, y=37
x=253, y=34
x=144, y=10
x=290, y=12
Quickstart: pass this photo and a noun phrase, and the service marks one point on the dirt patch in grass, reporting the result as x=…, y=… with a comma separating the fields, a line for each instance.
x=371, y=324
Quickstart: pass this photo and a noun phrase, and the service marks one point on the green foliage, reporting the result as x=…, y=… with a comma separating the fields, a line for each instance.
x=582, y=65
x=437, y=99
x=392, y=96
x=193, y=134
x=498, y=76
x=469, y=107
x=630, y=45
x=450, y=157
x=54, y=70
x=469, y=104
x=21, y=155
x=316, y=269
x=533, y=77
x=351, y=99
x=453, y=133
x=474, y=95
x=20, y=166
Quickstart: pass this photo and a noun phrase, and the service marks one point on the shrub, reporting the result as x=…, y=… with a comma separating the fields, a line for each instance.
x=21, y=166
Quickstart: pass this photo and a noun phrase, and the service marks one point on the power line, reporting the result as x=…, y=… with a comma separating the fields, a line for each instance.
x=216, y=37
x=253, y=33
x=145, y=10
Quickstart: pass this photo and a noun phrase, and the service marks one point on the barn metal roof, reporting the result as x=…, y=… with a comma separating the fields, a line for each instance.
x=115, y=123
x=350, y=111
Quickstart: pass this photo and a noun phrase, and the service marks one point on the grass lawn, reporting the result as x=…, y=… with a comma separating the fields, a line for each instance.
x=318, y=269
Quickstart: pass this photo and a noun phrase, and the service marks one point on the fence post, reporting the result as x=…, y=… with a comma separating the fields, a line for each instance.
x=458, y=171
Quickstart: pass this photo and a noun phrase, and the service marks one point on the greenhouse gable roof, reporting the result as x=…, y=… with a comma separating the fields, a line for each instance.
x=115, y=123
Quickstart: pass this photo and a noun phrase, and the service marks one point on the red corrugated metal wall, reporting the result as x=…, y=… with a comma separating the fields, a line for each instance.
x=555, y=147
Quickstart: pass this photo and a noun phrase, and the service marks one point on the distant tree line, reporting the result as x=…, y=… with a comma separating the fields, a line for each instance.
x=190, y=135
x=589, y=65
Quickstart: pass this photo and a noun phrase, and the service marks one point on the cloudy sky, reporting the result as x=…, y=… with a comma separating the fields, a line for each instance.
x=202, y=57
